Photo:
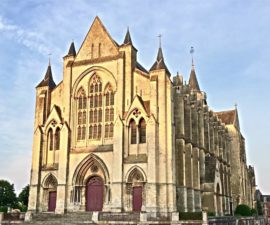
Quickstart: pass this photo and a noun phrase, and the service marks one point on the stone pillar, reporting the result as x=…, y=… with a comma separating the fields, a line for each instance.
x=61, y=203
x=189, y=178
x=151, y=186
x=34, y=191
x=181, y=185
x=117, y=169
x=196, y=180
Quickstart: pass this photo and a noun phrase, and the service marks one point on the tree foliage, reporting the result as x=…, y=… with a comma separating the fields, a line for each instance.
x=23, y=196
x=243, y=210
x=7, y=194
x=259, y=207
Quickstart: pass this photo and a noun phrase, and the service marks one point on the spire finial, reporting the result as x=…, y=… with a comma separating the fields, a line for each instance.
x=49, y=58
x=192, y=52
x=235, y=105
x=159, y=37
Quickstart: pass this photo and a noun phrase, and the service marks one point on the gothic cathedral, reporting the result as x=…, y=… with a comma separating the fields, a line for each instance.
x=113, y=136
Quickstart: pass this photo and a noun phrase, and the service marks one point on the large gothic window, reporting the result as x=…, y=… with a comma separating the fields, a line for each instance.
x=142, y=131
x=95, y=108
x=81, y=105
x=133, y=132
x=109, y=111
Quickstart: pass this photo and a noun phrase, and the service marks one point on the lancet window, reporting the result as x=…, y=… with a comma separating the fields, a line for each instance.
x=142, y=131
x=95, y=108
x=50, y=139
x=57, y=139
x=81, y=103
x=109, y=111
x=133, y=132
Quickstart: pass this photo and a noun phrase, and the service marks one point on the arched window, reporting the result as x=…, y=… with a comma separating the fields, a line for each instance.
x=142, y=131
x=95, y=108
x=81, y=114
x=133, y=132
x=57, y=139
x=50, y=139
x=109, y=111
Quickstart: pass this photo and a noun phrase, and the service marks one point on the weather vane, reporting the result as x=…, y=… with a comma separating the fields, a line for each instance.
x=159, y=36
x=192, y=52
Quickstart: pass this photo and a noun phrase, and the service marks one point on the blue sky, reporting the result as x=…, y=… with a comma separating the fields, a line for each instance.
x=232, y=54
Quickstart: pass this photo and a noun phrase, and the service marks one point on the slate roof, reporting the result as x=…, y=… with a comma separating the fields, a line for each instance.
x=48, y=79
x=160, y=63
x=127, y=39
x=140, y=67
x=72, y=50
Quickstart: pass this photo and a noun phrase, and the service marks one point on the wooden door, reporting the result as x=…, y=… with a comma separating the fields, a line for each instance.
x=52, y=201
x=94, y=194
x=137, y=199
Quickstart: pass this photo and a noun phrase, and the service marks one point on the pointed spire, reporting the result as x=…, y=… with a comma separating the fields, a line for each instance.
x=48, y=79
x=236, y=118
x=72, y=50
x=193, y=82
x=160, y=62
x=127, y=39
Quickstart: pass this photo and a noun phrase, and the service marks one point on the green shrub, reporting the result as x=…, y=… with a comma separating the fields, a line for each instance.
x=243, y=210
x=211, y=214
x=253, y=212
x=3, y=209
x=190, y=215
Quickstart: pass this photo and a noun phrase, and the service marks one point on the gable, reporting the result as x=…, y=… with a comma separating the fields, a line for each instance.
x=97, y=43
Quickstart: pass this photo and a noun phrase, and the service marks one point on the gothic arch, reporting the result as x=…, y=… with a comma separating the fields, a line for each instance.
x=91, y=165
x=135, y=173
x=93, y=71
x=50, y=181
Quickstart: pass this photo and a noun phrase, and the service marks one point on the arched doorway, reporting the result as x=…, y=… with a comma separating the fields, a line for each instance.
x=50, y=193
x=94, y=194
x=135, y=184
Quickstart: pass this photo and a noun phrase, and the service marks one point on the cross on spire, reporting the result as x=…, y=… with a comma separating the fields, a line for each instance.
x=192, y=52
x=49, y=58
x=159, y=37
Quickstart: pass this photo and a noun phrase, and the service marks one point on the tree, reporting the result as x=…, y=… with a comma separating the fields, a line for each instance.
x=259, y=207
x=7, y=194
x=23, y=196
x=243, y=210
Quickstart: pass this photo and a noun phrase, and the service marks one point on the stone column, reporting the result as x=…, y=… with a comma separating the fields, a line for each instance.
x=189, y=178
x=179, y=118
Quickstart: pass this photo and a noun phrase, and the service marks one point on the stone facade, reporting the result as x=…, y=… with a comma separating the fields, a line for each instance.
x=115, y=137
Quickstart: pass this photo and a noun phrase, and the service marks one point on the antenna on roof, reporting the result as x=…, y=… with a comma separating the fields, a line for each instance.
x=235, y=105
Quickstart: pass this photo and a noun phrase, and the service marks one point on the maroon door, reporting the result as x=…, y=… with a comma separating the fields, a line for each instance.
x=137, y=199
x=94, y=194
x=52, y=201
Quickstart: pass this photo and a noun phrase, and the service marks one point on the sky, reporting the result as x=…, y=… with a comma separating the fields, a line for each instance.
x=232, y=54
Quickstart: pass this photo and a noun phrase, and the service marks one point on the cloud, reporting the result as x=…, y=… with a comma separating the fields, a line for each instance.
x=29, y=39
